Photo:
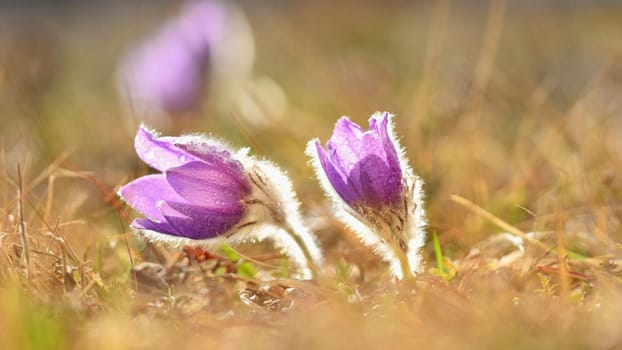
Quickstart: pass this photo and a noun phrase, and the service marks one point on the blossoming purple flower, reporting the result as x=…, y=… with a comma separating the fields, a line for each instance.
x=363, y=166
x=206, y=192
x=199, y=195
x=373, y=189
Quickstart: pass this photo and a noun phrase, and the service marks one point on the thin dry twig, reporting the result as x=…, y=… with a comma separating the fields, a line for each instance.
x=498, y=221
x=50, y=195
x=4, y=191
x=564, y=279
x=129, y=253
x=45, y=174
x=22, y=226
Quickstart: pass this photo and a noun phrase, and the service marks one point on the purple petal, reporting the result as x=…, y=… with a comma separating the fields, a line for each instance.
x=159, y=153
x=146, y=193
x=379, y=185
x=168, y=213
x=148, y=224
x=350, y=178
x=381, y=176
x=217, y=156
x=381, y=127
x=346, y=143
x=336, y=177
x=208, y=186
x=347, y=129
x=199, y=222
x=365, y=173
x=366, y=162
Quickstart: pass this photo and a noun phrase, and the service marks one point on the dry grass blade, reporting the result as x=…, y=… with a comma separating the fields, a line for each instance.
x=498, y=221
x=44, y=175
x=22, y=225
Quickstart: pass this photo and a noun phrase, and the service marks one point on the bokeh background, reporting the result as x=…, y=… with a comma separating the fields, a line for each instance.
x=515, y=105
x=502, y=102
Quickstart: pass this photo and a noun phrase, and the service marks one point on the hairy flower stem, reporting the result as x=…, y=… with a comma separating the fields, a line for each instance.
x=399, y=248
x=401, y=255
x=295, y=234
x=297, y=237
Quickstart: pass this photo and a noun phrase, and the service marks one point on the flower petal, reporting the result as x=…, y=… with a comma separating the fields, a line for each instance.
x=379, y=185
x=150, y=225
x=345, y=143
x=207, y=186
x=376, y=170
x=347, y=129
x=380, y=123
x=159, y=153
x=145, y=193
x=215, y=155
x=337, y=178
x=196, y=222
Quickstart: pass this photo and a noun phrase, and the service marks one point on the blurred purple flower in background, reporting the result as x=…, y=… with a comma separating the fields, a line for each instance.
x=168, y=74
x=164, y=74
x=374, y=190
x=207, y=193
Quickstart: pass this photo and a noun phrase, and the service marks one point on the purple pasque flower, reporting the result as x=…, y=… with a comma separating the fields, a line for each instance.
x=169, y=72
x=200, y=193
x=163, y=75
x=207, y=193
x=363, y=166
x=374, y=190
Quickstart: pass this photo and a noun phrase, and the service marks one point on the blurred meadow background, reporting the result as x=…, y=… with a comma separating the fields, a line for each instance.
x=511, y=111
